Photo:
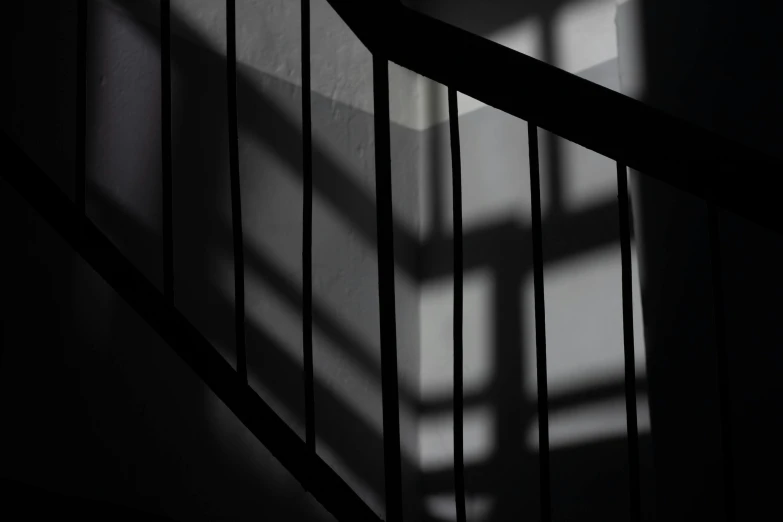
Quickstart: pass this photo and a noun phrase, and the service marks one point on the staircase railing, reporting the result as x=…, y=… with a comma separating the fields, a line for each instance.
x=625, y=130
x=95, y=248
x=643, y=138
x=725, y=173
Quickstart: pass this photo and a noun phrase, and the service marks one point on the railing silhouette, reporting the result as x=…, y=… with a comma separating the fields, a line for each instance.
x=629, y=132
x=625, y=130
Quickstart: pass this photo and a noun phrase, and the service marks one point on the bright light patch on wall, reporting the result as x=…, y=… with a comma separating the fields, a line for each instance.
x=584, y=323
x=436, y=439
x=437, y=336
x=592, y=423
x=497, y=190
x=630, y=32
x=585, y=34
x=443, y=507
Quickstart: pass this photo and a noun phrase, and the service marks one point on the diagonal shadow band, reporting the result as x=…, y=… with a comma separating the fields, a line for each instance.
x=268, y=362
x=176, y=330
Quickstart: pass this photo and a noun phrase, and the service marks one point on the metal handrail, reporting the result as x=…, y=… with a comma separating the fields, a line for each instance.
x=684, y=155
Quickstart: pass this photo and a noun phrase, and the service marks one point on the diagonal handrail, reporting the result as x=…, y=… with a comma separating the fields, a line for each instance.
x=676, y=152
x=84, y=237
x=684, y=155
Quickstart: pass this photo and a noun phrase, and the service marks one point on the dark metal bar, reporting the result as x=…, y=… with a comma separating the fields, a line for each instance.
x=385, y=223
x=307, y=232
x=630, y=363
x=723, y=363
x=46, y=198
x=456, y=170
x=236, y=195
x=167, y=194
x=643, y=138
x=81, y=107
x=538, y=283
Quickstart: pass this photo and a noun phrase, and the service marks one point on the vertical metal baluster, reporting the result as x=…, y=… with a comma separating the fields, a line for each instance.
x=167, y=192
x=383, y=183
x=307, y=232
x=630, y=363
x=456, y=169
x=538, y=282
x=236, y=197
